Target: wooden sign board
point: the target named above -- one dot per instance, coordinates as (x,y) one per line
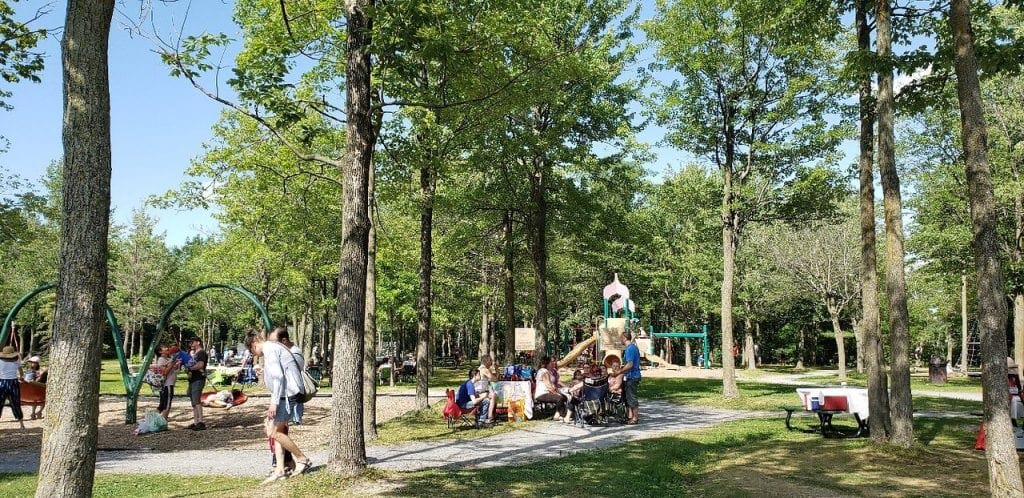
(526,339)
(644,345)
(610,333)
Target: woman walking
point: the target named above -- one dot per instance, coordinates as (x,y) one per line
(283,378)
(10,372)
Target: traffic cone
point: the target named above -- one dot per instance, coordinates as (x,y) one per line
(979,442)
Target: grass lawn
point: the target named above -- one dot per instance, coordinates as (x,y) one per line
(746,458)
(427,425)
(918,381)
(762,396)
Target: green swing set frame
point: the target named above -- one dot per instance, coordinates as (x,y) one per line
(133,382)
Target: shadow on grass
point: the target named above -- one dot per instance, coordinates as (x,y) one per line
(747,458)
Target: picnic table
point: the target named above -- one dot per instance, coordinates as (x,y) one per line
(826,402)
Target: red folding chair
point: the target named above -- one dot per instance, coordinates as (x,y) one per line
(453,413)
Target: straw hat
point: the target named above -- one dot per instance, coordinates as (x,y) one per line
(35,359)
(8,353)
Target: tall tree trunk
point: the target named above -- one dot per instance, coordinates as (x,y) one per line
(963,323)
(1003,464)
(67,461)
(538,246)
(801,347)
(729,246)
(423,305)
(837,329)
(748,336)
(348,452)
(510,288)
(1018,328)
(858,337)
(689,354)
(485,340)
(370,325)
(900,403)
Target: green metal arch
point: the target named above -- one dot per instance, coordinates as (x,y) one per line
(13,313)
(136,380)
(133,382)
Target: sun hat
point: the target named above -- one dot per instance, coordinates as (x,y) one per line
(8,353)
(35,359)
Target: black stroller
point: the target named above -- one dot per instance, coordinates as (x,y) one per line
(596,405)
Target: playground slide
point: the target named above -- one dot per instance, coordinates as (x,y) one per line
(653,358)
(576,351)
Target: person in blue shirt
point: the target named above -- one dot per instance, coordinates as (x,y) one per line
(631,369)
(467,398)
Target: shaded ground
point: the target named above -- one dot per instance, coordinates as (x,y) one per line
(535,442)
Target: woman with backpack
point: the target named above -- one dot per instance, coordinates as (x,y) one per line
(283,378)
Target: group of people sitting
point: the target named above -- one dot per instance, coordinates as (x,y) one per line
(620,379)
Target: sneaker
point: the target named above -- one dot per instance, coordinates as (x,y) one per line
(199,427)
(191,426)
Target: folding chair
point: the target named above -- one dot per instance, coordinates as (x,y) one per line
(453,413)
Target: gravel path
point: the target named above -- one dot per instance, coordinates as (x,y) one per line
(547,440)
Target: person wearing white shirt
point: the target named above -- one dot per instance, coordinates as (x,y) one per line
(282,376)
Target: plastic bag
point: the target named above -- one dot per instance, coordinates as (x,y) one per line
(152,422)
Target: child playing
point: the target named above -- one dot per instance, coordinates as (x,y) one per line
(34,373)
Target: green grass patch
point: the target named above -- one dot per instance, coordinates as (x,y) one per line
(752,457)
(140,485)
(428,425)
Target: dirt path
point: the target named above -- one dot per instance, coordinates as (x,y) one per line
(548,440)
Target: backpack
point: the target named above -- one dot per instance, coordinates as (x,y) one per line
(309,386)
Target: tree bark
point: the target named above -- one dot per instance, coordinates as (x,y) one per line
(370,324)
(484,346)
(858,336)
(510,289)
(748,336)
(1003,464)
(837,329)
(424,309)
(348,451)
(963,323)
(67,461)
(538,246)
(1018,328)
(729,246)
(801,347)
(900,403)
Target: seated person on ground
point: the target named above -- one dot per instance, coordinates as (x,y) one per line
(546,391)
(468,397)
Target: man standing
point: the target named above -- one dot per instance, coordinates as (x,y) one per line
(196,381)
(631,369)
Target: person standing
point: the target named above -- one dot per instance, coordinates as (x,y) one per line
(286,340)
(169,368)
(196,381)
(631,383)
(10,372)
(282,377)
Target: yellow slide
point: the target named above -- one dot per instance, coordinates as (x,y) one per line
(576,351)
(653,358)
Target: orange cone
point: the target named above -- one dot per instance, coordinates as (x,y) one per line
(979,442)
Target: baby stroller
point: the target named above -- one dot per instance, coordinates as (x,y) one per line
(589,407)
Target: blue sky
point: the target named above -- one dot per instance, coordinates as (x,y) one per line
(159,123)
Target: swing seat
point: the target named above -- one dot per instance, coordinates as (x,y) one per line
(238,397)
(32,393)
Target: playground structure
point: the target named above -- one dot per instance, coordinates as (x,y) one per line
(133,382)
(611,326)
